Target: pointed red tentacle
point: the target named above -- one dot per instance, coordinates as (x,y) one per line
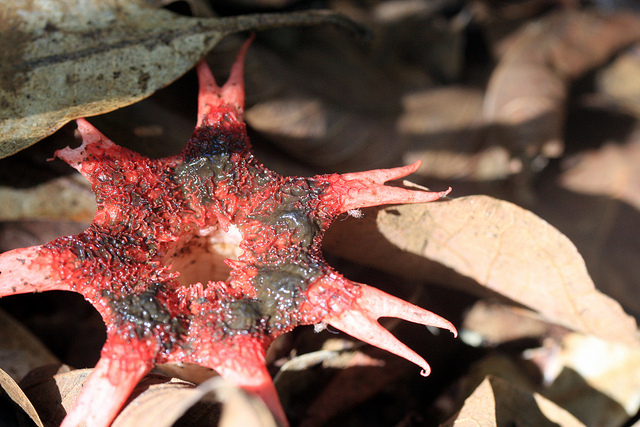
(215,101)
(92,140)
(360,326)
(380,176)
(376,304)
(110,384)
(95,151)
(30,269)
(357,313)
(364,189)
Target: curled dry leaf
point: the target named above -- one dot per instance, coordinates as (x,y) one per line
(496,402)
(164,402)
(11,396)
(21,351)
(161,401)
(239,408)
(190,372)
(157,401)
(506,249)
(62,60)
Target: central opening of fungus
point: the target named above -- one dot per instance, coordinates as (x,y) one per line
(199,256)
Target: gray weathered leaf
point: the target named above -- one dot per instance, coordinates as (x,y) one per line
(64,59)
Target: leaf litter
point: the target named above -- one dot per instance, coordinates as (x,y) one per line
(488,249)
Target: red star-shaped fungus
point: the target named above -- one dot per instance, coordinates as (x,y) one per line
(207,256)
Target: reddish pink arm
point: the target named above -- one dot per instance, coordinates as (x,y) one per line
(364,189)
(240,360)
(361,306)
(30,269)
(215,101)
(110,384)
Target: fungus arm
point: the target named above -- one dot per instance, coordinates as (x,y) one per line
(215,101)
(28,270)
(240,361)
(358,315)
(110,384)
(364,189)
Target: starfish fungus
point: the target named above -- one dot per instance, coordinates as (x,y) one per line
(207,256)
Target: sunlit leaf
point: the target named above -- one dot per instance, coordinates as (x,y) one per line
(505,248)
(496,402)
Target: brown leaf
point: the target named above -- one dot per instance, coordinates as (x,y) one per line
(444,127)
(352,378)
(73,201)
(322,109)
(527,91)
(496,402)
(160,401)
(612,170)
(90,57)
(20,351)
(240,409)
(506,249)
(195,374)
(596,380)
(12,394)
(490,323)
(157,401)
(53,396)
(621,79)
(325,135)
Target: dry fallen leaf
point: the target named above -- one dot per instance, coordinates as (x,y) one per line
(621,79)
(489,323)
(159,401)
(596,379)
(162,402)
(346,379)
(340,125)
(444,128)
(53,396)
(11,395)
(21,351)
(67,59)
(73,201)
(496,402)
(505,248)
(527,90)
(612,170)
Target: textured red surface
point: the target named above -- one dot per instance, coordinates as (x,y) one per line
(207,256)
